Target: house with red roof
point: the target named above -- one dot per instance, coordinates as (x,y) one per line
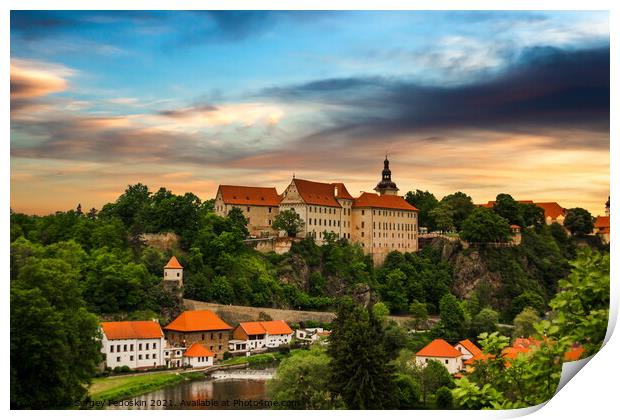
(199,326)
(197,355)
(467,349)
(554,213)
(441,351)
(135,344)
(260,206)
(173,276)
(602,228)
(263,334)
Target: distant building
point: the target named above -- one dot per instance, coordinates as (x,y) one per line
(441,351)
(136,344)
(173,276)
(553,211)
(263,334)
(201,326)
(311,335)
(197,355)
(467,349)
(380,223)
(602,228)
(259,206)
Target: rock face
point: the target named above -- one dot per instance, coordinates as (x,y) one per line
(162,241)
(296,272)
(470,269)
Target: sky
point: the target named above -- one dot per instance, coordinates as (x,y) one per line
(483,102)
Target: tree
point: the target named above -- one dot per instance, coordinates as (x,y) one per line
(452,318)
(381,310)
(359,372)
(483,226)
(443,217)
(304,377)
(393,291)
(524,323)
(579,221)
(54,339)
(443,398)
(425,202)
(288,221)
(419,314)
(239,221)
(581,308)
(461,206)
(485,321)
(506,207)
(434,375)
(408,392)
(532,215)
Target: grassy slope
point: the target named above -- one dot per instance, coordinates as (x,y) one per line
(123,387)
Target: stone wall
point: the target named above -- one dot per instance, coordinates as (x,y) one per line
(162,241)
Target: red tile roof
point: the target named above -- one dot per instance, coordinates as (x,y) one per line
(316,193)
(198,350)
(552,209)
(470,347)
(393,202)
(266,327)
(340,191)
(479,356)
(573,354)
(197,321)
(438,348)
(250,196)
(602,221)
(173,263)
(124,330)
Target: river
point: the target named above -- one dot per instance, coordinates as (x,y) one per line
(225,390)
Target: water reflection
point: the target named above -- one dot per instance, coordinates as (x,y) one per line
(209,394)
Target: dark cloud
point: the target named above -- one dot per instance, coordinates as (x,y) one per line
(545,88)
(188,112)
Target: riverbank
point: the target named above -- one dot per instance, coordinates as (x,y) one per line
(118,388)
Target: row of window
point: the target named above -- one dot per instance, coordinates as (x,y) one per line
(340,235)
(130,347)
(326,210)
(203,359)
(398,235)
(131,358)
(392,226)
(321,222)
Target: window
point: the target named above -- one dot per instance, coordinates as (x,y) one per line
(118,359)
(211,336)
(203,337)
(178,274)
(131,358)
(248,209)
(147,346)
(220,336)
(131,348)
(220,347)
(124,347)
(363,225)
(362,212)
(139,357)
(446,361)
(269,209)
(112,349)
(154,355)
(118,348)
(154,346)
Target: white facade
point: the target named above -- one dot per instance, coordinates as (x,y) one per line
(278,339)
(453,364)
(174,274)
(466,354)
(200,361)
(135,353)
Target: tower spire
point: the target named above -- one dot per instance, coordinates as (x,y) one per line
(386,186)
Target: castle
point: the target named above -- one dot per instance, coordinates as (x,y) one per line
(380,223)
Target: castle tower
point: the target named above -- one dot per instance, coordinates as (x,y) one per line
(173,273)
(386,186)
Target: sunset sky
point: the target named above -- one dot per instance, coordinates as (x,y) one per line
(479,102)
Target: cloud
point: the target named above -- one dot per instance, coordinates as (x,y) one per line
(547,88)
(32,80)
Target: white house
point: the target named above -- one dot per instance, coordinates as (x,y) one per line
(198,355)
(311,334)
(441,351)
(263,334)
(467,349)
(136,344)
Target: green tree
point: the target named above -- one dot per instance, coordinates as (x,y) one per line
(532,215)
(461,205)
(506,207)
(304,377)
(483,226)
(288,221)
(579,221)
(524,323)
(393,291)
(443,217)
(425,202)
(54,346)
(359,372)
(452,322)
(419,314)
(443,398)
(434,375)
(235,215)
(408,392)
(485,321)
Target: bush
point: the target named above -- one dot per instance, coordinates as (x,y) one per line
(443,398)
